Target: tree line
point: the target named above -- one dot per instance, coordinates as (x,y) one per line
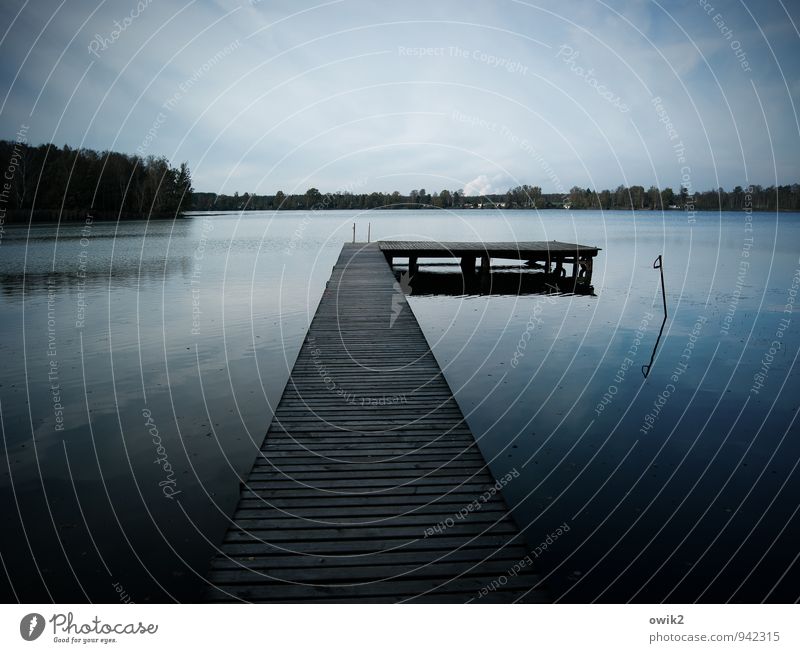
(50,183)
(756,198)
(47,182)
(753,197)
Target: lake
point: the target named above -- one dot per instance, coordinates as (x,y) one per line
(142,361)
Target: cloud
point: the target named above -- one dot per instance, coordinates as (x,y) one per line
(319,94)
(481,185)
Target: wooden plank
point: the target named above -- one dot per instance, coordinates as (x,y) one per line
(424,589)
(368,514)
(366,549)
(363,573)
(369,485)
(513,250)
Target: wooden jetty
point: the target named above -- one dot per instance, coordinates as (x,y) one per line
(369,486)
(549,256)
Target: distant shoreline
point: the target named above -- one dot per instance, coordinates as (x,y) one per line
(450,210)
(24,217)
(109,186)
(47,217)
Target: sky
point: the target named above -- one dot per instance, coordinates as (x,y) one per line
(260,96)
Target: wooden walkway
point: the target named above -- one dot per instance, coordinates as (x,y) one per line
(365,469)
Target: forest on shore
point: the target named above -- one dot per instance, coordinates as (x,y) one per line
(50,183)
(756,198)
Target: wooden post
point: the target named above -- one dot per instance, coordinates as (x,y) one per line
(412,266)
(369,227)
(485,273)
(354,232)
(468,266)
(486,264)
(586,272)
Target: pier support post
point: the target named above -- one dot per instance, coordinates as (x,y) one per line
(485,273)
(486,263)
(413,266)
(586,269)
(468,266)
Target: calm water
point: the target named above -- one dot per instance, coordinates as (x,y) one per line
(680,487)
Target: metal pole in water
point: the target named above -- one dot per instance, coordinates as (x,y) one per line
(658,264)
(369,226)
(354,233)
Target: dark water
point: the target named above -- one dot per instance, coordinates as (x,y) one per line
(115,340)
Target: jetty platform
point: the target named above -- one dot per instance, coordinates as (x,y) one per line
(552,257)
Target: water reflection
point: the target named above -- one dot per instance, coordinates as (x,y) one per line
(658,264)
(510,280)
(703,501)
(94,277)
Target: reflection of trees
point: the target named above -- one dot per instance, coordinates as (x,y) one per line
(124,273)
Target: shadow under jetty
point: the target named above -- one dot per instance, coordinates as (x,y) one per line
(501,281)
(540,267)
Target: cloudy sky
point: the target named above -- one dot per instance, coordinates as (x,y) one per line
(386,95)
